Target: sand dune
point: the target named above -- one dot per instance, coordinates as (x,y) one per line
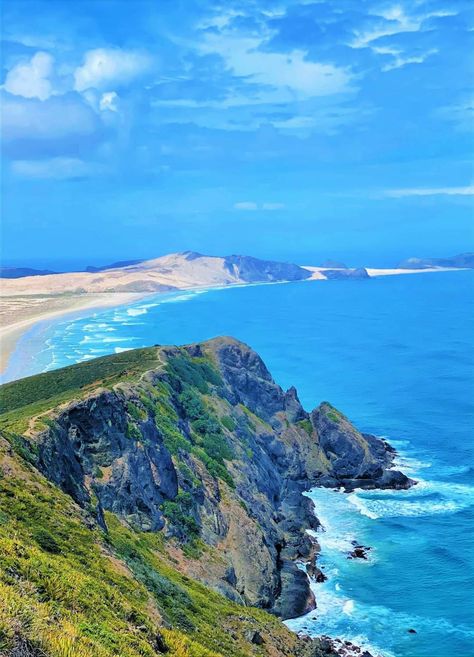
(31,299)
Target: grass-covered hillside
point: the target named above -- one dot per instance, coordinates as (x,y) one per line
(86,567)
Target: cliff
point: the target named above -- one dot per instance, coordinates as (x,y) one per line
(198,450)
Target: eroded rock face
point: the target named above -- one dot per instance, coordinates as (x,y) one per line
(139,450)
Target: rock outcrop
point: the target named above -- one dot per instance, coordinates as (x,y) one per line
(207,448)
(340,274)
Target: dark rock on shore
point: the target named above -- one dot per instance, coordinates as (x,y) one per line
(359,552)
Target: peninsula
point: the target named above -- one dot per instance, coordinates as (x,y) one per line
(151,503)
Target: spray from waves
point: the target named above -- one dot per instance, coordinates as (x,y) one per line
(340,616)
(137,311)
(425,499)
(345,518)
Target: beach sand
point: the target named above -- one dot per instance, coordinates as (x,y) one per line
(318,272)
(27,301)
(20,313)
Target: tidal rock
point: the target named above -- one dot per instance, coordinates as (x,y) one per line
(359,552)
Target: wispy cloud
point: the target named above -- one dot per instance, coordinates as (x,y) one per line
(431,191)
(252,206)
(103,67)
(290,73)
(395,20)
(248,206)
(399,59)
(59,168)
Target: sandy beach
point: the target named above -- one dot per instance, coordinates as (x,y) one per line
(318,272)
(33,299)
(20,313)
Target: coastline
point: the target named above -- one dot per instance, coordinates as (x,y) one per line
(10,334)
(56,307)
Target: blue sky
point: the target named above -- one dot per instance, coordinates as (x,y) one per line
(289,129)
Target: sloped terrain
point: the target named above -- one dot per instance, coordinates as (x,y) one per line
(151,502)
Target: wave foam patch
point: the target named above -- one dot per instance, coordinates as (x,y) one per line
(426,498)
(133,312)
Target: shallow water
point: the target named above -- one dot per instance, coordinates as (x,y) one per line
(395,354)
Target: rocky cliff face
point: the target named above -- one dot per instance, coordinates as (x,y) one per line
(209,450)
(252,270)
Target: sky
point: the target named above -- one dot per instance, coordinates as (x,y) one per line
(290,129)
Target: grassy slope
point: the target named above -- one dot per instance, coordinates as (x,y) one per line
(68,589)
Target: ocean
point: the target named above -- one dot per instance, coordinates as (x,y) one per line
(395,355)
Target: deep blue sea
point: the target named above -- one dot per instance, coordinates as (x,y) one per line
(395,354)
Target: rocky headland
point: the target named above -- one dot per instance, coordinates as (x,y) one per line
(199,446)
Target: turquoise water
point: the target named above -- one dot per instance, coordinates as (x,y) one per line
(395,354)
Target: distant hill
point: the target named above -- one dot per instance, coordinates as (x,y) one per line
(174,271)
(340,274)
(20,272)
(465,260)
(115,265)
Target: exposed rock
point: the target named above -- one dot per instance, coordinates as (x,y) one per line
(357,460)
(118,450)
(254,270)
(359,552)
(340,274)
(255,637)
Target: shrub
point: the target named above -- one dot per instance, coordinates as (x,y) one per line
(135,412)
(178,514)
(228,422)
(307,426)
(133,432)
(46,541)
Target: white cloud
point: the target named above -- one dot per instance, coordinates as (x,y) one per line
(60,168)
(251,206)
(58,117)
(108,101)
(399,59)
(286,76)
(104,66)
(31,79)
(395,21)
(246,205)
(434,191)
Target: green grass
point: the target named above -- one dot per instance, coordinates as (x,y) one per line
(69,590)
(23,399)
(306,426)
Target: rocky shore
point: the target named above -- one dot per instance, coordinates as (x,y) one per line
(160,471)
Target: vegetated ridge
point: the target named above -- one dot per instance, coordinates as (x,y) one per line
(151,502)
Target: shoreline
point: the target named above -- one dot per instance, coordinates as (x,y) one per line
(11,334)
